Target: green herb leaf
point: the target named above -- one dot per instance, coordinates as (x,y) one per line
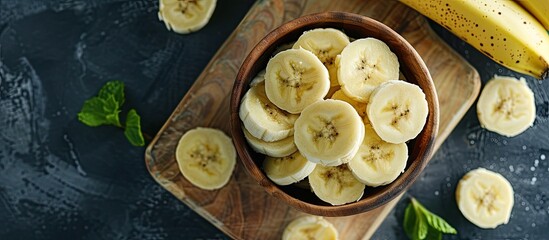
(410,222)
(115,89)
(97,111)
(133,129)
(433,234)
(423,227)
(433,220)
(419,223)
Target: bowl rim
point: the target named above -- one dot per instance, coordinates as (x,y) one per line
(405,179)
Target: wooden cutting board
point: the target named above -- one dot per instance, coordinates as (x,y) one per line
(242,209)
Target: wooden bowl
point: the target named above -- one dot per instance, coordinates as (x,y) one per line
(355,26)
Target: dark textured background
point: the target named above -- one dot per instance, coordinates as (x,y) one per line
(62,180)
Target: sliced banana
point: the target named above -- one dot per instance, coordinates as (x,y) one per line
(378,162)
(359,107)
(258,79)
(185,16)
(206,157)
(329,132)
(397,111)
(279,148)
(263,119)
(364,65)
(295,79)
(335,185)
(326,44)
(506,106)
(289,169)
(485,198)
(310,228)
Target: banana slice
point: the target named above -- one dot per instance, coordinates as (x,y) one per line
(398,111)
(289,169)
(263,119)
(364,65)
(378,162)
(295,79)
(359,107)
(310,228)
(185,16)
(485,198)
(335,185)
(206,157)
(506,106)
(258,79)
(279,148)
(329,132)
(326,44)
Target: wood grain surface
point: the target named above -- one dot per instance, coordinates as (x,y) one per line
(242,209)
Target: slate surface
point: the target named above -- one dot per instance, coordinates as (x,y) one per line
(62,180)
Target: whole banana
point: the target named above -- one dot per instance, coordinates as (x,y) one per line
(539,9)
(500,29)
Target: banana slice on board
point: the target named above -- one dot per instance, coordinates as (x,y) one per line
(185,16)
(206,157)
(279,148)
(378,162)
(506,106)
(365,64)
(326,44)
(310,228)
(398,111)
(329,132)
(336,185)
(295,79)
(289,169)
(485,198)
(359,107)
(262,118)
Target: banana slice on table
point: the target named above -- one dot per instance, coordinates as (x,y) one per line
(364,65)
(326,44)
(359,107)
(378,162)
(289,169)
(279,148)
(185,16)
(485,198)
(336,185)
(295,79)
(262,118)
(206,157)
(506,106)
(397,111)
(310,228)
(329,132)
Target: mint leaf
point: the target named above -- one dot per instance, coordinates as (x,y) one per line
(433,220)
(433,234)
(436,222)
(419,223)
(410,222)
(97,111)
(133,129)
(115,89)
(423,227)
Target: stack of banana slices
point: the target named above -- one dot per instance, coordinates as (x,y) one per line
(332,110)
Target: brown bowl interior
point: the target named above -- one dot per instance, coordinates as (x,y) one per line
(355,26)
